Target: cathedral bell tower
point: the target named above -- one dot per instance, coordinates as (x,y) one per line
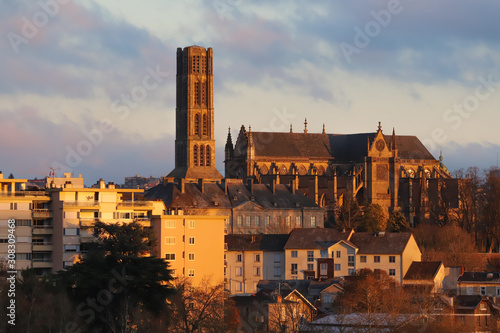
(194,137)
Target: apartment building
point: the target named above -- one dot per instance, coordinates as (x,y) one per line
(251,258)
(28,213)
(192,245)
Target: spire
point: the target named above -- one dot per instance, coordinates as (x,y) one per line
(249,128)
(305,126)
(229,141)
(394,145)
(380,126)
(324,132)
(291,130)
(229,149)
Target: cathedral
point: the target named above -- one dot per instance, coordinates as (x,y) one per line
(314,171)
(395,171)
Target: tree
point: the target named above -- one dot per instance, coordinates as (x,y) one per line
(373,296)
(397,222)
(349,214)
(115,287)
(450,244)
(374,218)
(202,308)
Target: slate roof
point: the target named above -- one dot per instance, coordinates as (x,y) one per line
(426,270)
(259,242)
(489,277)
(467,301)
(315,238)
(386,243)
(340,147)
(215,197)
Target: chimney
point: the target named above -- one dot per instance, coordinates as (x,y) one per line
(279,298)
(253,239)
(101,183)
(224,184)
(68,184)
(111,185)
(273,186)
(292,186)
(250,185)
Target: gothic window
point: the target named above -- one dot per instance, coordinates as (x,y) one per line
(264,169)
(205,125)
(202,155)
(196,124)
(208,156)
(197,93)
(321,170)
(302,170)
(204,93)
(195,155)
(283,170)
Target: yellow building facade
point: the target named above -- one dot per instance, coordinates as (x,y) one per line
(192,245)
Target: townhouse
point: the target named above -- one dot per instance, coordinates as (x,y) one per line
(251,258)
(391,252)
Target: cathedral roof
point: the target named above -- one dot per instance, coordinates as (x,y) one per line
(340,147)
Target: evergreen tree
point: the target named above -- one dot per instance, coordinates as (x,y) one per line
(397,222)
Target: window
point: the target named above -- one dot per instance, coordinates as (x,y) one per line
(362,259)
(239,286)
(238,271)
(239,220)
(173,272)
(191,272)
(196,123)
(337,267)
(71,248)
(256,271)
(257,258)
(191,224)
(209,157)
(71,231)
(498,291)
(310,255)
(323,269)
(294,269)
(191,256)
(191,240)
(392,272)
(338,254)
(376,258)
(13,206)
(238,258)
(482,291)
(310,267)
(170,224)
(392,258)
(23,223)
(170,256)
(202,155)
(327,298)
(351,271)
(313,221)
(169,240)
(277,271)
(297,221)
(294,254)
(350,261)
(277,257)
(257,220)
(323,253)
(195,155)
(205,125)
(268,221)
(248,221)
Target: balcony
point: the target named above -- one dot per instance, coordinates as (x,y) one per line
(42,230)
(87,239)
(88,222)
(42,263)
(24,194)
(144,221)
(81,204)
(45,247)
(129,203)
(40,214)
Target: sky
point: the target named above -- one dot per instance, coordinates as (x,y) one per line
(89,86)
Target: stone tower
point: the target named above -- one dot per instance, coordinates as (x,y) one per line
(194,139)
